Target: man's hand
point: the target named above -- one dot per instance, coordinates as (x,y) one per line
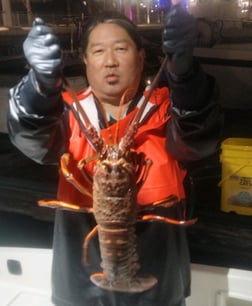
(179,38)
(43,53)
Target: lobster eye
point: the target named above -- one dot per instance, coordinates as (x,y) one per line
(109,168)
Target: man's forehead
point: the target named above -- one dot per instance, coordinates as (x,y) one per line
(109,33)
(97,38)
(96,42)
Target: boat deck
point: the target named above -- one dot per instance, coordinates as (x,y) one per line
(25,280)
(25,277)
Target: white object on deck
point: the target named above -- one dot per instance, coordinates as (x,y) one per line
(25,276)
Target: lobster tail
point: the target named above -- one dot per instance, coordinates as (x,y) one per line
(120,262)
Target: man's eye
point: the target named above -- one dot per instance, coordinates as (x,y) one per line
(121,49)
(97,51)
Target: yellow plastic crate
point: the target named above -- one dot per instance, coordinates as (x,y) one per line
(236,182)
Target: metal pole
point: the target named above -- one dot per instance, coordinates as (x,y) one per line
(29,11)
(6,13)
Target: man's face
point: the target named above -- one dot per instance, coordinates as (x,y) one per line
(113,63)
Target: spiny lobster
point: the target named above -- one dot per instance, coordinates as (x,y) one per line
(118,175)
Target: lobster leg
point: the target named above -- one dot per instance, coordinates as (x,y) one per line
(168,220)
(64,205)
(143,175)
(86,244)
(147,212)
(81,164)
(70,178)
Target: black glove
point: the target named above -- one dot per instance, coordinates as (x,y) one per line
(43,53)
(179,38)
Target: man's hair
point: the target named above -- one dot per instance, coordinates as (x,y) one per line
(112,17)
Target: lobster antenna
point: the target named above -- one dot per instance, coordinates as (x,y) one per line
(79,109)
(87,128)
(128,137)
(123,98)
(152,87)
(104,116)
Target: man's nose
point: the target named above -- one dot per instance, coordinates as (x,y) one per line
(111,59)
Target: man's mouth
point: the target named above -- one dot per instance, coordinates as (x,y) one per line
(112,78)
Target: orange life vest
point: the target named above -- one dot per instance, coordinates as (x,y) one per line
(165,177)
